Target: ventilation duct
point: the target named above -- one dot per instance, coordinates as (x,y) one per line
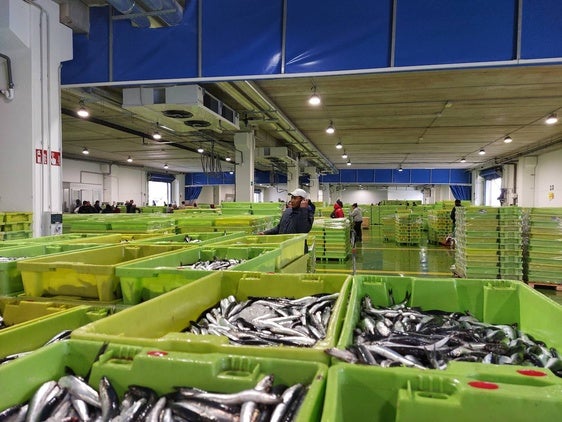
(169,12)
(275,155)
(181,108)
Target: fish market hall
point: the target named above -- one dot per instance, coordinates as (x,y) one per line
(233,211)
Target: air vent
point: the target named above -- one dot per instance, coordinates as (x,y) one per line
(178,114)
(197,123)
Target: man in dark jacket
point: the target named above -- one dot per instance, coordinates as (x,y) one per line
(297,218)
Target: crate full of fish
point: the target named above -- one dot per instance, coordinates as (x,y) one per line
(93,381)
(291,245)
(293,316)
(143,280)
(89,273)
(192,239)
(10,275)
(456,326)
(357,393)
(26,325)
(115,238)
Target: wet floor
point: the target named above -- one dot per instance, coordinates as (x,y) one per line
(375,256)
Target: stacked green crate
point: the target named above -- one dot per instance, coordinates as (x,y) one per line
(236,208)
(267,208)
(511,242)
(332,238)
(439,225)
(15,225)
(407,228)
(545,245)
(477,242)
(375,215)
(187,223)
(388,226)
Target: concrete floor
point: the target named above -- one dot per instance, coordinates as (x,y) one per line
(374,256)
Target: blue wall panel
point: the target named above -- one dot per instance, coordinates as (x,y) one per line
(199,179)
(421,176)
(366,176)
(158,53)
(401,176)
(440,175)
(348,176)
(91,52)
(383,176)
(327,35)
(261,176)
(329,178)
(460,176)
(542,29)
(229,179)
(247,42)
(445,31)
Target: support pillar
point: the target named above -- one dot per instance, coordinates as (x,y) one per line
(293,177)
(526,181)
(30,141)
(245,144)
(314,183)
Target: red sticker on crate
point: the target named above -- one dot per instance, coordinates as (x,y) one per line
(156,353)
(531,373)
(484,385)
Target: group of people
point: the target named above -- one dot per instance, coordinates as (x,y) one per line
(356,216)
(86,207)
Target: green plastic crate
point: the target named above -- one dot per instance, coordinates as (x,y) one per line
(204,238)
(89,273)
(359,393)
(10,275)
(17,217)
(151,277)
(172,312)
(159,370)
(32,324)
(62,238)
(291,245)
(491,301)
(116,238)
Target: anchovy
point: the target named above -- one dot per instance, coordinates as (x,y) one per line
(108,399)
(288,396)
(192,410)
(236,398)
(80,389)
(39,400)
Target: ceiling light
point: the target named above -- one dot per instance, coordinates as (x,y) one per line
(400,168)
(482,152)
(463,160)
(314,98)
(85,151)
(339,145)
(552,119)
(228,159)
(82,112)
(156,135)
(129,159)
(344,155)
(200,150)
(231,172)
(166,166)
(330,129)
(348,163)
(507,140)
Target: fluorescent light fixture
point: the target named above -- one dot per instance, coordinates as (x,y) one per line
(463,160)
(552,119)
(85,151)
(339,145)
(200,150)
(166,166)
(330,129)
(129,159)
(482,152)
(507,140)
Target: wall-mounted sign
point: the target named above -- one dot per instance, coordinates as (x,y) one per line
(41,157)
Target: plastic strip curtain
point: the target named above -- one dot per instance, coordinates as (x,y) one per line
(192,192)
(464,193)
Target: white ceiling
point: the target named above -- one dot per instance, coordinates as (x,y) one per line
(423,119)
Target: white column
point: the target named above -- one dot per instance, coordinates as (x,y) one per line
(245,144)
(314,183)
(478,185)
(293,176)
(526,181)
(31,140)
(508,183)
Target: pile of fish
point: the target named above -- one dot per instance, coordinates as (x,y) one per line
(216,265)
(268,321)
(72,399)
(63,335)
(399,335)
(4,259)
(188,239)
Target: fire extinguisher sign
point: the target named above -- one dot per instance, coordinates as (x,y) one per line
(42,157)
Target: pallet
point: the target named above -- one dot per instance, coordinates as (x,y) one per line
(542,285)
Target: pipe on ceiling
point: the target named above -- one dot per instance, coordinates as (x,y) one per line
(8,92)
(130,7)
(171,10)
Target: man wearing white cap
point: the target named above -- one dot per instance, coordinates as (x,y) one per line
(297,218)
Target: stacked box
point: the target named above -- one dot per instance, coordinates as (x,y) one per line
(511,243)
(407,228)
(332,238)
(440,225)
(236,208)
(15,225)
(477,242)
(545,246)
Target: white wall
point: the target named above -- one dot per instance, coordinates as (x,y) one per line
(548,180)
(404,193)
